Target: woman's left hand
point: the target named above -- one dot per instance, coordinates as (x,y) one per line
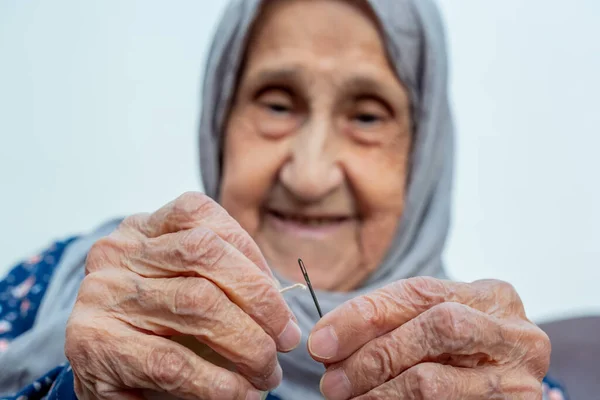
(424,338)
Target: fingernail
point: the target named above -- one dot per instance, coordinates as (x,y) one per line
(275,379)
(335,385)
(323,343)
(290,338)
(253,395)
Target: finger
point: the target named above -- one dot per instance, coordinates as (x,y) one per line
(109,392)
(197,307)
(123,358)
(201,252)
(192,210)
(356,322)
(449,333)
(430,381)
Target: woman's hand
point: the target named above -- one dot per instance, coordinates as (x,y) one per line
(188,269)
(424,338)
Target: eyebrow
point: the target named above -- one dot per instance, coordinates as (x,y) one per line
(279,75)
(361,84)
(356,85)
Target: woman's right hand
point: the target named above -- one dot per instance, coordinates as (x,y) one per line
(187,269)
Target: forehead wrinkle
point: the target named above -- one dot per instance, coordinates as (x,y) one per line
(359,78)
(278,67)
(285,16)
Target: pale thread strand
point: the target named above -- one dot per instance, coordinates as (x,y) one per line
(294,286)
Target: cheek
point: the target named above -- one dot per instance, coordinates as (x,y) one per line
(378,176)
(250,166)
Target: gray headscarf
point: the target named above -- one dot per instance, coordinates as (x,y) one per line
(415,41)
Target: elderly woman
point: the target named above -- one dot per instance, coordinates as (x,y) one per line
(326,135)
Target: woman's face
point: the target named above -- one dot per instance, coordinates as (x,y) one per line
(317,142)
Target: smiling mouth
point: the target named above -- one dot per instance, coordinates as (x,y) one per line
(314,222)
(312,227)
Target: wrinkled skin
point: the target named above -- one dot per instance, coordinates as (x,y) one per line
(325,132)
(424,338)
(187,269)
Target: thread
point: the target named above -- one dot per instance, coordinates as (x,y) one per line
(294,286)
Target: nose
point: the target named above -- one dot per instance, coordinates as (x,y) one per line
(312,170)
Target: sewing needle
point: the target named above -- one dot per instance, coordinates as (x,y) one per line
(312,292)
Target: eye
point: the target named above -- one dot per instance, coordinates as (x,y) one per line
(367,119)
(277,108)
(369,113)
(277,111)
(277,102)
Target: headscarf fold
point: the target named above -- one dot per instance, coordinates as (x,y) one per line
(415,42)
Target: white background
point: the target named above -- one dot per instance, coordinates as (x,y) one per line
(98,115)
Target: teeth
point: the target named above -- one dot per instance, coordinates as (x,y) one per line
(311,221)
(308,221)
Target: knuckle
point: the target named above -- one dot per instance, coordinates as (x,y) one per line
(423,291)
(223,387)
(507,294)
(134,222)
(240,240)
(194,297)
(105,289)
(201,246)
(381,363)
(237,237)
(371,311)
(450,326)
(540,350)
(504,288)
(109,251)
(80,335)
(423,283)
(454,328)
(72,339)
(194,204)
(98,288)
(493,385)
(89,288)
(168,368)
(424,381)
(101,254)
